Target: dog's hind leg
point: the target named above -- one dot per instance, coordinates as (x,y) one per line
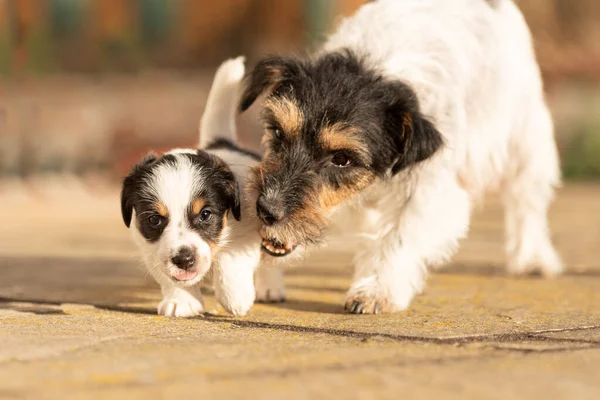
(529,184)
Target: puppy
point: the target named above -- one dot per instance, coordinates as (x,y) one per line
(178,206)
(409,113)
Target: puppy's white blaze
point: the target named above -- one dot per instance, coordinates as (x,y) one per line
(175,185)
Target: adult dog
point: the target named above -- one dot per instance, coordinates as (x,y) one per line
(410,112)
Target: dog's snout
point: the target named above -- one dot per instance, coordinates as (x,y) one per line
(185,258)
(269,211)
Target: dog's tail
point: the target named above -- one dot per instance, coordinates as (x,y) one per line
(218,120)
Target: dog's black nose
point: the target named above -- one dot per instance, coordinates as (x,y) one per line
(269,212)
(185,258)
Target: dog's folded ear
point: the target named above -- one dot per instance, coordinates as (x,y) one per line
(235,205)
(130,187)
(232,194)
(415,137)
(270,73)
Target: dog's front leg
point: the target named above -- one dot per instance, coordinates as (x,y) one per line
(233,281)
(180,301)
(391,265)
(387,277)
(270,287)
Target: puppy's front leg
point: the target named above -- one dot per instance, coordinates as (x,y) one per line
(179,301)
(233,281)
(391,267)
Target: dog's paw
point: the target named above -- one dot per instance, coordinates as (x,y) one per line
(363,304)
(180,304)
(267,295)
(545,261)
(237,302)
(366,296)
(269,284)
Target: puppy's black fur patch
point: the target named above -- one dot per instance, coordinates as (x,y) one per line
(226,144)
(220,191)
(132,184)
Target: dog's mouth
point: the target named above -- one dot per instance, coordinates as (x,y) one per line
(275,248)
(184,275)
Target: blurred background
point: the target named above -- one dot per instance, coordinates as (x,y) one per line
(88,86)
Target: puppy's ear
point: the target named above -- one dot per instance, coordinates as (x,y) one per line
(131,186)
(270,73)
(416,138)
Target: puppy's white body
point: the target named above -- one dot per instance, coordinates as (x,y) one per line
(234,266)
(474,71)
(175,184)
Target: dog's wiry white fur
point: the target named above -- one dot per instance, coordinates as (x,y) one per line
(175,184)
(474,71)
(270,286)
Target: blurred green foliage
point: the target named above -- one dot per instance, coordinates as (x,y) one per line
(581,160)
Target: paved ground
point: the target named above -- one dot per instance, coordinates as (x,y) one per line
(77,320)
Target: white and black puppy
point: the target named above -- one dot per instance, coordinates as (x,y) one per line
(410,113)
(178,206)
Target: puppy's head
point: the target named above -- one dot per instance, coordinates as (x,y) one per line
(332,128)
(179,204)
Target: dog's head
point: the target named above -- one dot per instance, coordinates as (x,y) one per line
(333,127)
(179,205)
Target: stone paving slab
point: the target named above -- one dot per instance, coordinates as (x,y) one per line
(77,320)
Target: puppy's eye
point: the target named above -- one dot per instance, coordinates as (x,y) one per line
(205,215)
(341,159)
(155,221)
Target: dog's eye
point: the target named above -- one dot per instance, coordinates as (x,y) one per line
(341,159)
(277,132)
(155,221)
(205,215)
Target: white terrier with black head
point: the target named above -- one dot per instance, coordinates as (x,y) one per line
(410,112)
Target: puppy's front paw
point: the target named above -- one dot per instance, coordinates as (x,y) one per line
(180,304)
(366,296)
(237,302)
(270,287)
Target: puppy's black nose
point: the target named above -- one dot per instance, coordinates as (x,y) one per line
(269,212)
(185,258)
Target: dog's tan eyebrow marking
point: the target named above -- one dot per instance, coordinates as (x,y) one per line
(286,113)
(197,206)
(340,137)
(161,209)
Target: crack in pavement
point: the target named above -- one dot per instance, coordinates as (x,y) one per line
(498,337)
(534,336)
